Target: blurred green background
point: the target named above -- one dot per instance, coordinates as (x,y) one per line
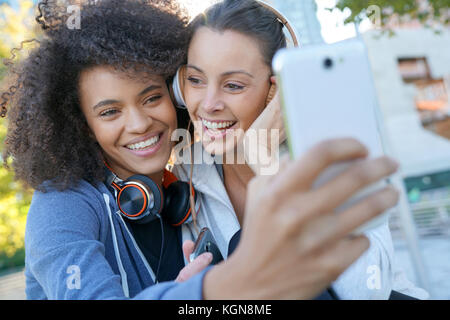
(16,25)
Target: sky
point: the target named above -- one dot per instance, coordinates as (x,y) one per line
(333,28)
(332,23)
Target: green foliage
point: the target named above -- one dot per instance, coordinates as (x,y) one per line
(12,262)
(14,198)
(435,11)
(14,203)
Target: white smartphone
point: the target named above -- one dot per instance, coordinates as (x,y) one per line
(327,92)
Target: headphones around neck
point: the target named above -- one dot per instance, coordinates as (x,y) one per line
(178,83)
(141,200)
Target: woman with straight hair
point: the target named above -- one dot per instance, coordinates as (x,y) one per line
(228,87)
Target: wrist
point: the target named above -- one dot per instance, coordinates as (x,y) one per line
(225,281)
(213,284)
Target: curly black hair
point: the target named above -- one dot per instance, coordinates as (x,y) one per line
(48,138)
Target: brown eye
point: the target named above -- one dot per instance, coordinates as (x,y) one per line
(234,87)
(108,113)
(194,81)
(152,99)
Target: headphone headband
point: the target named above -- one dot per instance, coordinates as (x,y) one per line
(111,178)
(283,20)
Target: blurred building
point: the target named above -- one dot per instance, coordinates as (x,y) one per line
(412,78)
(303,15)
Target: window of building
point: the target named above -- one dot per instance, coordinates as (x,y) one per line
(414,69)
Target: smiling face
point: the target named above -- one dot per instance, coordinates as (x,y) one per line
(226,86)
(132,120)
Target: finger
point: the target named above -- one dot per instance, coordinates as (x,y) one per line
(194,267)
(301,175)
(365,210)
(188,248)
(342,254)
(352,180)
(326,229)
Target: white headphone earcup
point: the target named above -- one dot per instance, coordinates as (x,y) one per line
(177,88)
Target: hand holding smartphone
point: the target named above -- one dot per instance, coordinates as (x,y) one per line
(327,92)
(206,243)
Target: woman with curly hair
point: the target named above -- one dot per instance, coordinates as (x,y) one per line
(85,98)
(91,108)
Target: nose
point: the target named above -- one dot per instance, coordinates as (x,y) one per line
(212,101)
(137,121)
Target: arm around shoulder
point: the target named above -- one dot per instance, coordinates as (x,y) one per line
(63,250)
(65,254)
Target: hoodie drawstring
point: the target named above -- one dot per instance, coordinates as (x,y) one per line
(123,274)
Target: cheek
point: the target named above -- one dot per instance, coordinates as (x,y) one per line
(167,115)
(193,98)
(171,118)
(250,107)
(106,135)
(164,113)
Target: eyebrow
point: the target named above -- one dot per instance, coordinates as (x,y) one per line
(223,74)
(111,101)
(105,103)
(148,89)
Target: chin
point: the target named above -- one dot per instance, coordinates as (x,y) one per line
(150,166)
(219,149)
(150,171)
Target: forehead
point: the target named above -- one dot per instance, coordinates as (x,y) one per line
(102,80)
(228,49)
(110,74)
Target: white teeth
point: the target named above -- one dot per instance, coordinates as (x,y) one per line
(217,125)
(144,144)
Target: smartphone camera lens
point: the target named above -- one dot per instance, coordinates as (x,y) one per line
(328,63)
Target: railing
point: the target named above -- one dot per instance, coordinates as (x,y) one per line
(431,217)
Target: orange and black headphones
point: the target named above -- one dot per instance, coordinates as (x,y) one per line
(141,200)
(179,79)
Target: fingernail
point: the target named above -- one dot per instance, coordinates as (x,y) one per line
(207,256)
(391,162)
(395,164)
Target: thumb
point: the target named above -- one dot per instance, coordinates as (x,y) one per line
(188,248)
